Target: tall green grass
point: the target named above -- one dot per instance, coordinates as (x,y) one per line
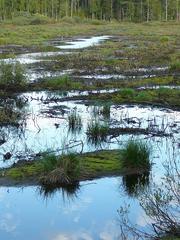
(136,154)
(74,121)
(62,82)
(60,170)
(97,132)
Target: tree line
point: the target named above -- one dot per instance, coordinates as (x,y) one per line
(122,10)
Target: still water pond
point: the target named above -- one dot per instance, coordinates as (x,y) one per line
(89,213)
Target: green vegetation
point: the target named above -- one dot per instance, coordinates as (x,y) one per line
(73,167)
(175,66)
(130,10)
(106,110)
(74,121)
(127,93)
(136,154)
(62,170)
(67,169)
(164,96)
(59,83)
(50,170)
(97,132)
(12,76)
(8,116)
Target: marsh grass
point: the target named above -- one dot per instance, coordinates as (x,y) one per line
(60,169)
(106,110)
(97,132)
(175,66)
(49,163)
(62,82)
(127,93)
(136,155)
(74,121)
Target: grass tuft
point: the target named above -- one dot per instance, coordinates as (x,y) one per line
(136,154)
(97,132)
(60,170)
(74,121)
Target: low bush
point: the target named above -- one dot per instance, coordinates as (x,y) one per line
(12,76)
(164,93)
(143,96)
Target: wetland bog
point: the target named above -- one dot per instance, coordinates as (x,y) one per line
(87,92)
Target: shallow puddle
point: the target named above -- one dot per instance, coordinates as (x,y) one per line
(30,58)
(84,42)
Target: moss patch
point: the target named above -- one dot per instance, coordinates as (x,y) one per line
(92,165)
(164,96)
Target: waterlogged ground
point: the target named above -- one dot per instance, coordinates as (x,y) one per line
(44,126)
(88,211)
(88,59)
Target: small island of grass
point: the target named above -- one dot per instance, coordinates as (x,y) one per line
(72,168)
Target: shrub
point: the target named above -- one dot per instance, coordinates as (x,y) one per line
(23,18)
(8,116)
(40,19)
(136,154)
(164,92)
(12,75)
(164,39)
